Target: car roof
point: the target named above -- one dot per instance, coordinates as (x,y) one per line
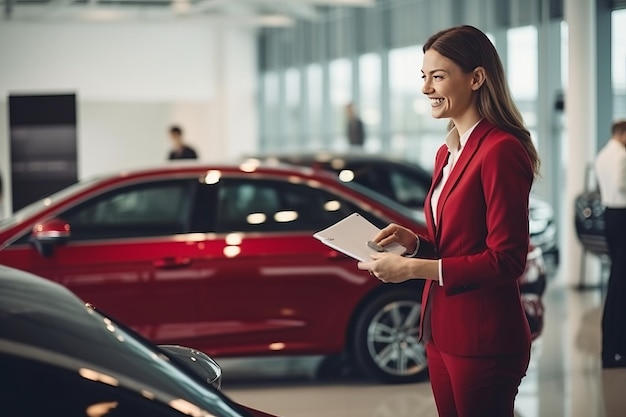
(335,159)
(166,171)
(198,167)
(324,156)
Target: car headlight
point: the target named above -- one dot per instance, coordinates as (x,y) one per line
(537,226)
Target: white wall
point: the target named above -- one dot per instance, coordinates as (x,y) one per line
(133,80)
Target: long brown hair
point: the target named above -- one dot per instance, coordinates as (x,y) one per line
(468,47)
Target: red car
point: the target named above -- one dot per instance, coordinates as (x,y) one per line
(222,258)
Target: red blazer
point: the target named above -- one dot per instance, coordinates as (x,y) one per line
(482,239)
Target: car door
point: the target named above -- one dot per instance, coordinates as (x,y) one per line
(130,255)
(272,286)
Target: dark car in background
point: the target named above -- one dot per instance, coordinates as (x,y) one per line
(405,182)
(62,357)
(222,258)
(589,222)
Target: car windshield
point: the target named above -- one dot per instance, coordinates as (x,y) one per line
(36,206)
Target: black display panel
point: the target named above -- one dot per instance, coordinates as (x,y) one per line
(43,143)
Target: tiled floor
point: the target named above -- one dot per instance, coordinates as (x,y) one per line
(564,378)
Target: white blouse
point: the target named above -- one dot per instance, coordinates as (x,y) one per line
(455,145)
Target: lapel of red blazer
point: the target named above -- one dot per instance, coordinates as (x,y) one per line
(473,142)
(441,160)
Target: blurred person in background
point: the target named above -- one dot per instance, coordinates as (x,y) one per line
(180,150)
(472,322)
(610,166)
(355,129)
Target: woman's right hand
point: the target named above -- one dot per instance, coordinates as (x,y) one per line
(396,233)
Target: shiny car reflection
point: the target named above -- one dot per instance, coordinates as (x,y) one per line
(589,222)
(62,357)
(222,258)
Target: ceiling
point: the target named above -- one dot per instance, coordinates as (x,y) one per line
(262,13)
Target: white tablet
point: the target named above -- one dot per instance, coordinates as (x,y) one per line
(351,235)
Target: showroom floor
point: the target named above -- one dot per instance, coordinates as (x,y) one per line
(564,378)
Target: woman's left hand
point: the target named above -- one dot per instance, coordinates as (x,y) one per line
(388,267)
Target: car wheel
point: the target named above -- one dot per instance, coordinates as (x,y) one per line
(385,339)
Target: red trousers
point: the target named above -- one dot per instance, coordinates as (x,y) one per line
(483,386)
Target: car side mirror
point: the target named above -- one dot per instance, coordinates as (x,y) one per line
(197,362)
(49,233)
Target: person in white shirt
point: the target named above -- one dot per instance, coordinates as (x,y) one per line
(610,166)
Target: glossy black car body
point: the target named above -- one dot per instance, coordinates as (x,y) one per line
(62,357)
(406,183)
(589,222)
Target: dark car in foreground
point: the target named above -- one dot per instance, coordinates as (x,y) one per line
(62,357)
(406,183)
(223,258)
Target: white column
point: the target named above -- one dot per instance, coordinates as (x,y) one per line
(581,128)
(234,131)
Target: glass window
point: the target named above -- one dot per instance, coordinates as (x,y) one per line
(405,184)
(150,209)
(409,188)
(266,205)
(340,94)
(522,64)
(564,80)
(271,110)
(414,132)
(522,72)
(564,55)
(293,106)
(314,88)
(405,85)
(618,58)
(370,76)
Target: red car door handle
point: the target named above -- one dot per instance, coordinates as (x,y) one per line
(172,262)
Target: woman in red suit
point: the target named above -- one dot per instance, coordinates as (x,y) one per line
(473,324)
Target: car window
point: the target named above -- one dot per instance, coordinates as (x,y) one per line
(409,189)
(148,209)
(268,205)
(403,185)
(375,178)
(36,206)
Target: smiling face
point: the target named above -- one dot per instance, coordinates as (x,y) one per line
(450,90)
